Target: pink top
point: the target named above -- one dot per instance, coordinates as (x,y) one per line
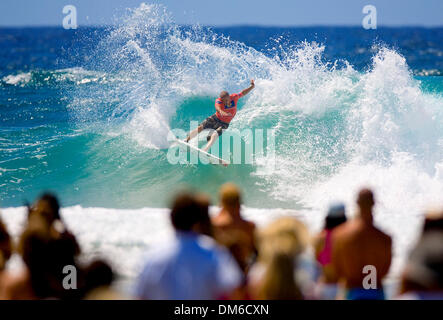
(324,257)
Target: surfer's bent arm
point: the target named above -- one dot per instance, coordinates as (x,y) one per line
(247,90)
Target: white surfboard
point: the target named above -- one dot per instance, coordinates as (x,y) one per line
(211,158)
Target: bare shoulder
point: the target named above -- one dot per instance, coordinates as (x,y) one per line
(250,224)
(382,235)
(347,233)
(17,286)
(344,229)
(220,220)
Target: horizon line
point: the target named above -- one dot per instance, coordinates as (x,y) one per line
(234,26)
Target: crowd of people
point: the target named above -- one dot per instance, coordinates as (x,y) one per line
(225,256)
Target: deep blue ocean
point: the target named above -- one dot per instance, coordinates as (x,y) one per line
(86,112)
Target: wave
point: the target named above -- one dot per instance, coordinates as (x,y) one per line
(69,76)
(346,120)
(336,128)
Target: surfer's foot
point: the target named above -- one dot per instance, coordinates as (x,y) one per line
(187,140)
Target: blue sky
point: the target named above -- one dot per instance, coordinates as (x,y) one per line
(230,12)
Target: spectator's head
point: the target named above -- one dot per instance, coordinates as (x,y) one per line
(230,198)
(48,207)
(99,277)
(365,201)
(424,270)
(286,234)
(336,216)
(5,246)
(433,221)
(98,274)
(189,213)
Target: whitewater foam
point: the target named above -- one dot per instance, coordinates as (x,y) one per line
(19,79)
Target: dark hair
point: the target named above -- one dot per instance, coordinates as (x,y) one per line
(365,197)
(5,245)
(52,200)
(332,222)
(47,206)
(425,265)
(98,273)
(204,202)
(336,216)
(187,211)
(433,223)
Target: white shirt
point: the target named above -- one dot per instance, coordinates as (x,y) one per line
(191,266)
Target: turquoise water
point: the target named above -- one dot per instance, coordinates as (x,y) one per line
(93,126)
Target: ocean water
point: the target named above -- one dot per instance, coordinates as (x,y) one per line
(86,113)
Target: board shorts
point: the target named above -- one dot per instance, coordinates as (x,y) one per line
(365,294)
(214,123)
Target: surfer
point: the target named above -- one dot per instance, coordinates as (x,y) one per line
(226,108)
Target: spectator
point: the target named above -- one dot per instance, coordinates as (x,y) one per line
(358,243)
(192,265)
(422,278)
(48,208)
(275,274)
(99,277)
(231,230)
(327,283)
(46,248)
(5,254)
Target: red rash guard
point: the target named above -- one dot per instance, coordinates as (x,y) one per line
(232,109)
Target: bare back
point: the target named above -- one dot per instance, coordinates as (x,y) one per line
(357,244)
(237,234)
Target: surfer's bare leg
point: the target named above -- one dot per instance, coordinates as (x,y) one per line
(211,141)
(193,133)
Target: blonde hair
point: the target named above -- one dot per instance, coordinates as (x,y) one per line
(287,234)
(279,245)
(279,281)
(230,195)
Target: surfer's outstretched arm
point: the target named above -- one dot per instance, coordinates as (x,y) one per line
(247,90)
